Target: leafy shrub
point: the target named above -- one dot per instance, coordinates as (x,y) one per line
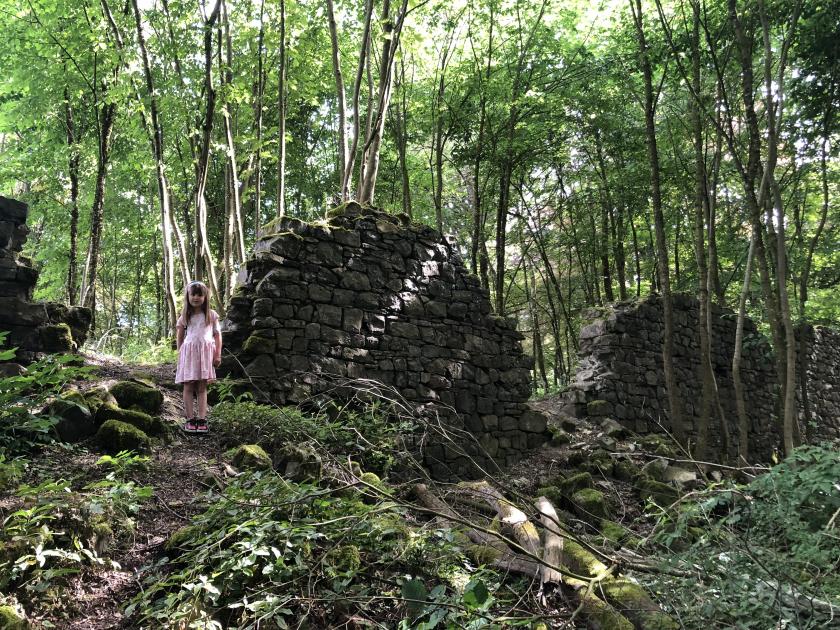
(56,531)
(368,435)
(22,397)
(765,553)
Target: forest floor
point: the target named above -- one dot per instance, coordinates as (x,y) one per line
(176,472)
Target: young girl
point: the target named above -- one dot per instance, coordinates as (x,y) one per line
(199,352)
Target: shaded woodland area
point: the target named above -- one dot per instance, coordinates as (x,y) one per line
(574,155)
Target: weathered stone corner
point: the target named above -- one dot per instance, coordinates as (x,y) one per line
(34,327)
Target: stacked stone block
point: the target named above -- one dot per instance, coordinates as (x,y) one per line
(620,373)
(367,295)
(819,407)
(33,327)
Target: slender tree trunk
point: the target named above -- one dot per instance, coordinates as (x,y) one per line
(478,215)
(675,412)
(401,141)
(364,63)
(204,254)
(73,172)
(281,105)
(341,103)
(166,219)
(392,33)
(740,403)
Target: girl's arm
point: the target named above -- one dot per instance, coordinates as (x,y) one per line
(179,335)
(217,337)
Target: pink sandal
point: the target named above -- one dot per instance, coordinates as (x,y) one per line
(201,425)
(189,425)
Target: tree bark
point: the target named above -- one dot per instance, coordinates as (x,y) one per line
(73,172)
(281,106)
(341,103)
(675,411)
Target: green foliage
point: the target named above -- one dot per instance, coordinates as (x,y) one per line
(54,531)
(368,435)
(268,552)
(760,552)
(124,462)
(23,424)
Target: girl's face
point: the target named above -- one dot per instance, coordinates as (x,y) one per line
(196,300)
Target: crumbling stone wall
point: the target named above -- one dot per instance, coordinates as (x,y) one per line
(819,408)
(33,327)
(367,295)
(620,373)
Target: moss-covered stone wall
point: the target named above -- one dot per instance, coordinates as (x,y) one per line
(366,295)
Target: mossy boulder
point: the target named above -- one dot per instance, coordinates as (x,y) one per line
(98,396)
(75,420)
(11,619)
(660,493)
(599,614)
(625,470)
(56,338)
(180,539)
(115,436)
(483,554)
(558,436)
(590,505)
(658,445)
(632,601)
(552,493)
(598,463)
(250,456)
(655,469)
(574,483)
(297,462)
(143,421)
(141,395)
(616,533)
(611,428)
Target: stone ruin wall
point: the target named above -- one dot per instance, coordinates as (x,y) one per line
(819,407)
(33,327)
(620,373)
(366,295)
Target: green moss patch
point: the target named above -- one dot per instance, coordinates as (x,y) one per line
(250,456)
(137,394)
(115,436)
(11,619)
(660,493)
(143,421)
(590,505)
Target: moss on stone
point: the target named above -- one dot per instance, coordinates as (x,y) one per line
(255,344)
(596,408)
(599,614)
(98,396)
(180,539)
(139,419)
(660,493)
(56,338)
(552,493)
(570,485)
(75,420)
(250,456)
(618,534)
(631,600)
(137,394)
(580,560)
(590,505)
(297,462)
(115,436)
(10,619)
(558,436)
(655,469)
(483,554)
(625,470)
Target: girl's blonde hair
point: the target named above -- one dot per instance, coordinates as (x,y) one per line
(196,288)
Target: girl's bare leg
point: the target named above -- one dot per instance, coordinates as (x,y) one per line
(201,394)
(189,391)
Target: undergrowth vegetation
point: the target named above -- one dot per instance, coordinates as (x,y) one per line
(370,434)
(765,554)
(268,552)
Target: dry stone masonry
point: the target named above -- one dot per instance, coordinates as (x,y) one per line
(33,327)
(819,403)
(620,373)
(367,295)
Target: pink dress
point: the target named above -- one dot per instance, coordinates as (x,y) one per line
(195,359)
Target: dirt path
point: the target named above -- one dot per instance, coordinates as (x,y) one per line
(178,473)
